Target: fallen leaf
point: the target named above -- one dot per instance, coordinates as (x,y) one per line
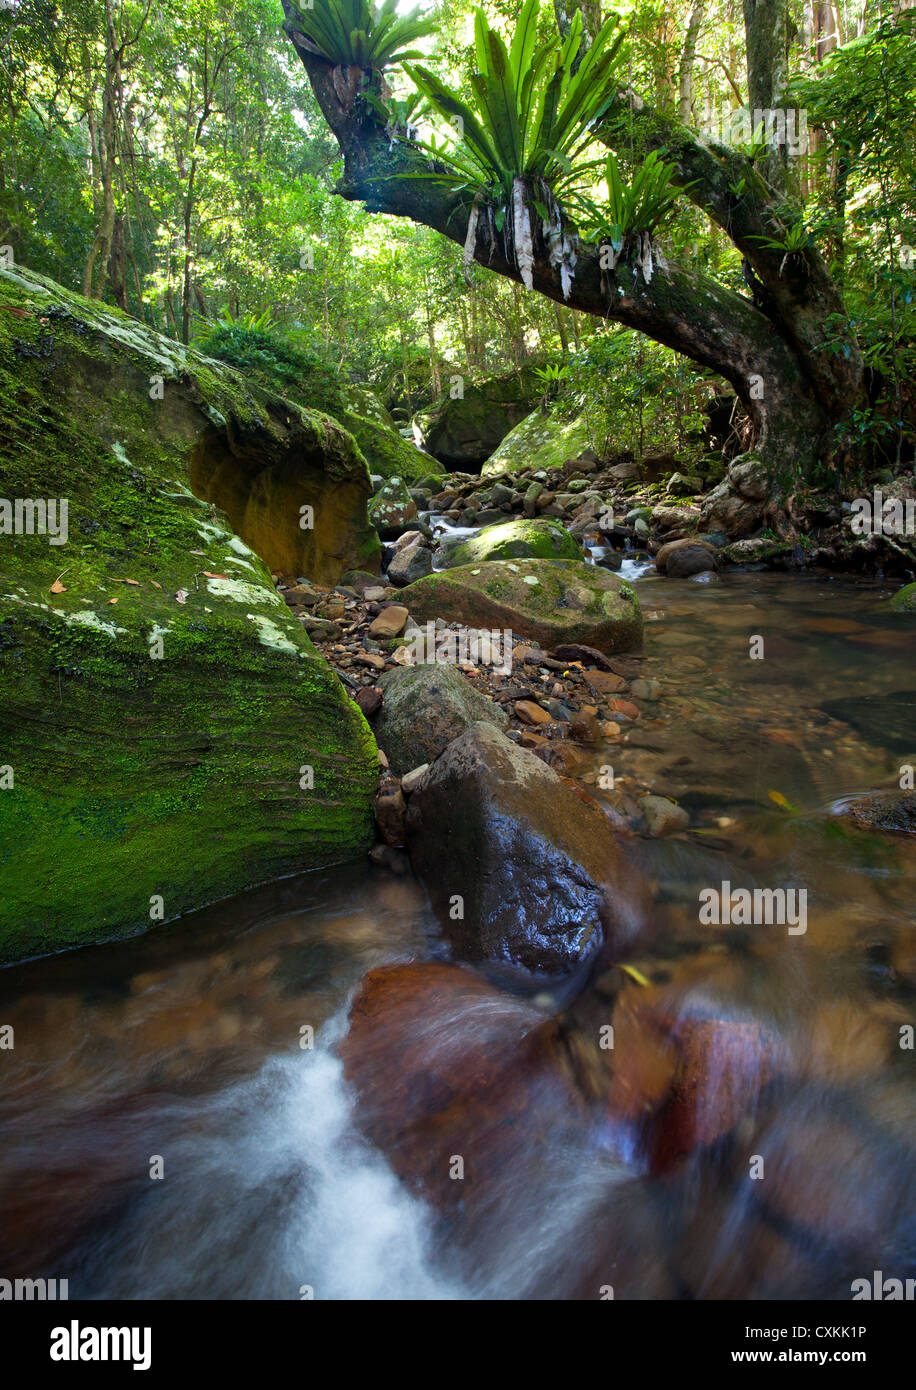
(197,552)
(112,600)
(182,596)
(58,588)
(636,975)
(781,801)
(135,582)
(155,585)
(207,575)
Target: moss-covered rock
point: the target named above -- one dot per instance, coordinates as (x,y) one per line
(386,451)
(514,540)
(392,508)
(552,601)
(463,433)
(538,441)
(904,601)
(159,703)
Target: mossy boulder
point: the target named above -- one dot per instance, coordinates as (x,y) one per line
(385,450)
(463,433)
(904,600)
(514,540)
(159,703)
(538,441)
(552,601)
(392,508)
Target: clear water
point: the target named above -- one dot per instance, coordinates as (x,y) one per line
(182,1047)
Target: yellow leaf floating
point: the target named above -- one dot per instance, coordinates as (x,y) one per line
(781,801)
(636,975)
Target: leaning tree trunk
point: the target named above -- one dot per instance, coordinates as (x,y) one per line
(770,348)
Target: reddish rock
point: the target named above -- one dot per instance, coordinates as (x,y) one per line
(624,707)
(723,1063)
(447,1066)
(369,700)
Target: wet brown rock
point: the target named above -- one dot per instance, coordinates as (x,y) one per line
(390,810)
(531,713)
(605,682)
(390,622)
(680,559)
(518,866)
(479,1076)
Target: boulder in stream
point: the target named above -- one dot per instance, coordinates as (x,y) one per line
(550,601)
(170,735)
(520,867)
(515,540)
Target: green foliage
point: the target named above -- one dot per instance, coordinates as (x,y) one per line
(535,107)
(353,33)
(274,361)
(635,396)
(636,206)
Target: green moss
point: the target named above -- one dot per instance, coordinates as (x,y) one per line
(904,600)
(553,601)
(518,539)
(140,770)
(539,441)
(386,451)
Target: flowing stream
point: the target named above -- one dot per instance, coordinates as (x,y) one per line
(164,1132)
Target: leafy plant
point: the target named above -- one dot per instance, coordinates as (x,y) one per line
(271,360)
(794,243)
(248,323)
(633,211)
(353,33)
(533,118)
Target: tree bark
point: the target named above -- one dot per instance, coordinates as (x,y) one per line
(770,351)
(688,58)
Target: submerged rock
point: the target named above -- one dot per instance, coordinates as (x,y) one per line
(171,732)
(889,811)
(519,867)
(551,601)
(426,707)
(480,1075)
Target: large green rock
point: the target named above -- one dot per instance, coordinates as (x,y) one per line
(552,601)
(904,600)
(386,451)
(158,700)
(463,433)
(538,441)
(515,540)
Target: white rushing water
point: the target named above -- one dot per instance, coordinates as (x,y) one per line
(270,1192)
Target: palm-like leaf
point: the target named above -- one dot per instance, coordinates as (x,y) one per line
(532,109)
(353,33)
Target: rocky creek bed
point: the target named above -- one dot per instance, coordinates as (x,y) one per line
(584,1166)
